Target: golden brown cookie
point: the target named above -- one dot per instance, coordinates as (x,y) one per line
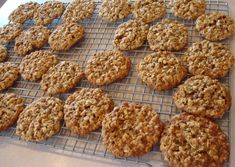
(3,53)
(9,32)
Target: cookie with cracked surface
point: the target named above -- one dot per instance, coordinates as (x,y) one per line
(113,10)
(10,107)
(30,39)
(106,67)
(40,119)
(149,10)
(3,53)
(23,12)
(47,12)
(190,140)
(37,63)
(61,78)
(208,58)
(167,35)
(215,26)
(161,70)
(85,109)
(9,32)
(203,96)
(78,10)
(131,130)
(130,35)
(65,36)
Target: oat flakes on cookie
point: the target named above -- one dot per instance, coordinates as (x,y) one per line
(61,78)
(65,36)
(203,96)
(161,70)
(85,110)
(208,58)
(167,35)
(130,35)
(149,10)
(113,10)
(3,53)
(106,67)
(215,26)
(131,130)
(9,32)
(33,38)
(40,119)
(37,63)
(193,141)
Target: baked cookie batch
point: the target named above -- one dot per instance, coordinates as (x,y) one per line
(190,138)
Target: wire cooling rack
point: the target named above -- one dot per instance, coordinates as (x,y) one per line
(98,37)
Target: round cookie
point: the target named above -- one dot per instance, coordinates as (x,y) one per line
(113,10)
(65,36)
(8,74)
(189,140)
(106,67)
(40,119)
(37,63)
(131,130)
(167,35)
(148,10)
(161,70)
(215,26)
(61,78)
(85,109)
(130,35)
(207,58)
(188,9)
(3,53)
(203,96)
(33,38)
(78,10)
(47,12)
(10,108)
(23,12)
(9,32)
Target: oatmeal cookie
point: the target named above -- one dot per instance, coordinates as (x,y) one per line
(85,109)
(161,70)
(215,26)
(40,119)
(131,130)
(203,96)
(107,67)
(192,141)
(168,35)
(65,36)
(3,53)
(130,35)
(9,32)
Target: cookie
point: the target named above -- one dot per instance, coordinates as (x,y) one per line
(61,78)
(23,12)
(149,10)
(8,74)
(65,36)
(10,108)
(78,10)
(3,53)
(167,35)
(113,10)
(188,9)
(47,12)
(203,96)
(40,119)
(37,63)
(85,109)
(9,32)
(215,26)
(189,140)
(130,35)
(207,58)
(131,130)
(106,67)
(161,70)
(30,39)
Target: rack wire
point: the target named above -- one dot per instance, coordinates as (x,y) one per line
(98,37)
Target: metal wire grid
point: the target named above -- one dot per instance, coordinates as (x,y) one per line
(98,37)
